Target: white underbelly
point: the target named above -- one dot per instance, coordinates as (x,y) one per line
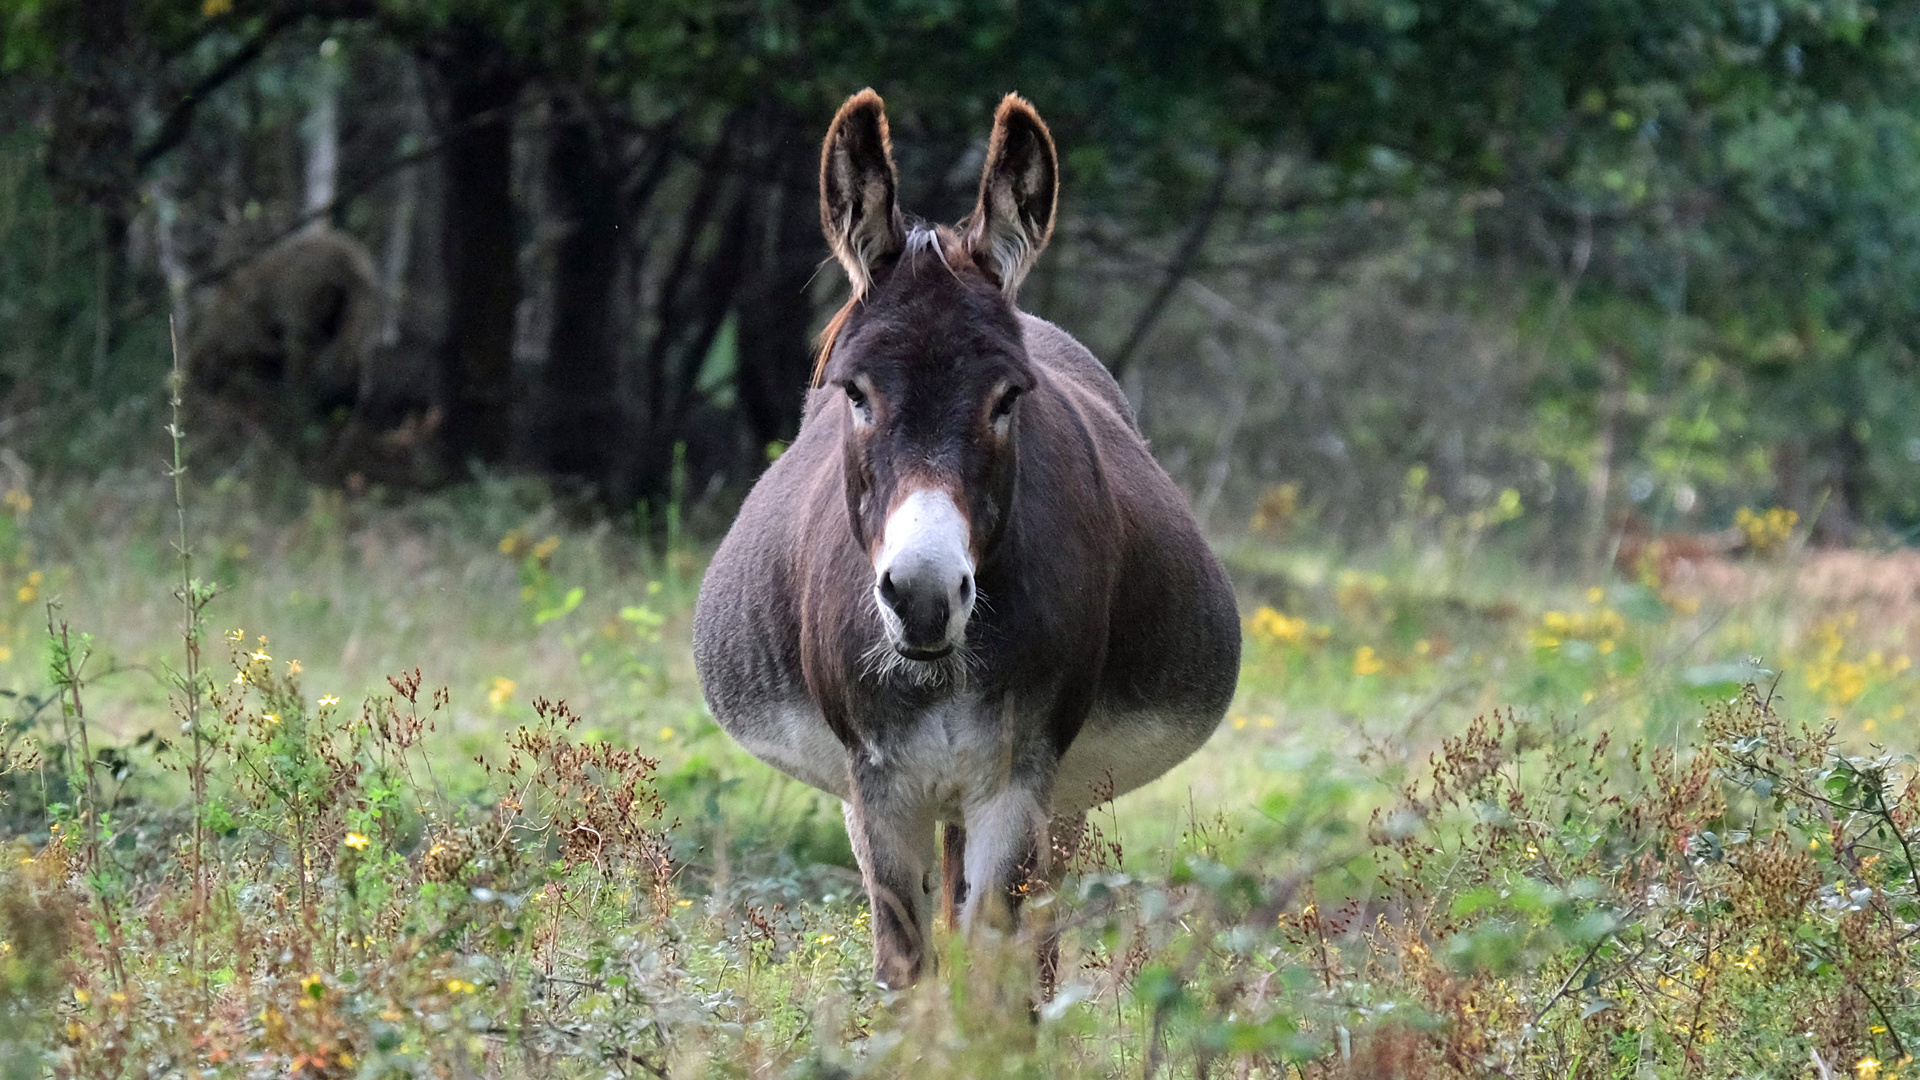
(794,738)
(953,755)
(949,756)
(1118,752)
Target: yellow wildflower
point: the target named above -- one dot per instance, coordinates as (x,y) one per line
(666,733)
(1367,662)
(544,549)
(1268,624)
(1277,506)
(460,986)
(259,656)
(502,690)
(1866,1068)
(1766,530)
(356,841)
(329,701)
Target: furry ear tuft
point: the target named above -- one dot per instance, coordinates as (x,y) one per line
(1018,192)
(858,206)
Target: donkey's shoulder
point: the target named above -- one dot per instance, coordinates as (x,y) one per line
(1062,355)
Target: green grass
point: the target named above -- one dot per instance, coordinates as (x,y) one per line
(1465,818)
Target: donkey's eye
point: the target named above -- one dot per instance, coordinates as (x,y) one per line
(1004,407)
(856,397)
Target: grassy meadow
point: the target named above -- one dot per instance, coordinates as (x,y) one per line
(430,791)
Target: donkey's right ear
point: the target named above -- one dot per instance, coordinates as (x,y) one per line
(858,211)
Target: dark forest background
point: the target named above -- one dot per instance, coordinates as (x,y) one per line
(1584,265)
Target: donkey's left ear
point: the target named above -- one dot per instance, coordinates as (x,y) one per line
(1017,195)
(857,189)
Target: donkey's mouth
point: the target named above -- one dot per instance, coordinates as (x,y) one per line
(924,655)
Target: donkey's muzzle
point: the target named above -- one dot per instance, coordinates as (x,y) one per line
(923,578)
(925,604)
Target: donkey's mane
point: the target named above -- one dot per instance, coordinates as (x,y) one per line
(923,241)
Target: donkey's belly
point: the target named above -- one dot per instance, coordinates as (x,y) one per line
(1115,752)
(1118,752)
(793,737)
(944,758)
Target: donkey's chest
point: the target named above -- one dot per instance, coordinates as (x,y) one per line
(941,756)
(946,755)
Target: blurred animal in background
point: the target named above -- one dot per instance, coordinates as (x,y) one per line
(288,346)
(294,326)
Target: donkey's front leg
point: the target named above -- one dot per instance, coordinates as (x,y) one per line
(1008,853)
(893,842)
(1021,855)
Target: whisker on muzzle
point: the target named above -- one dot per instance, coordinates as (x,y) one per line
(882,662)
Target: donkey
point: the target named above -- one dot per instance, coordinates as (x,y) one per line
(966,595)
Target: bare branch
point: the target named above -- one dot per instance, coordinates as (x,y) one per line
(1177,269)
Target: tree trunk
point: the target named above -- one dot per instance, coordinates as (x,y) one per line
(696,293)
(481,251)
(1852,473)
(579,412)
(323,132)
(775,313)
(397,257)
(699,317)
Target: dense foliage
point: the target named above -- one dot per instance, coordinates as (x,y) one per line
(1614,254)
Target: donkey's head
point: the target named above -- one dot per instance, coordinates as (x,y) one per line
(928,357)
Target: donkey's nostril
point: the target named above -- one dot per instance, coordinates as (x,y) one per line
(887,592)
(966,589)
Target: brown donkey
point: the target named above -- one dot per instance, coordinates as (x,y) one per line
(966,594)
